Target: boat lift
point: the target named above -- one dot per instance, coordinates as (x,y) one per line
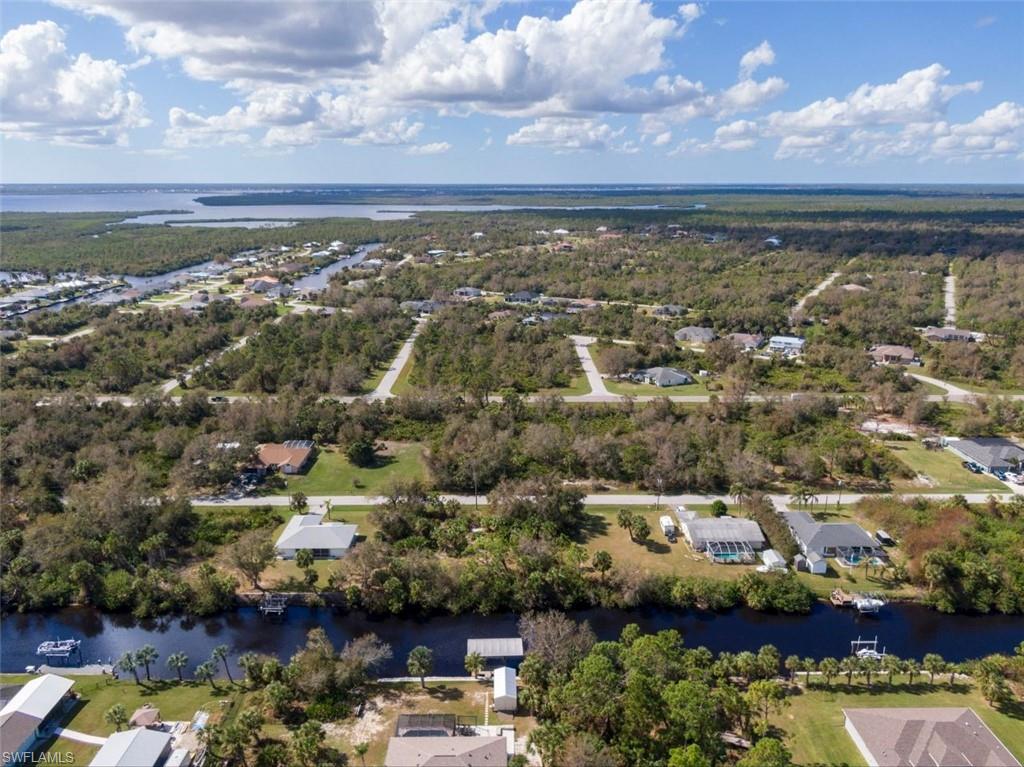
(866,648)
(61,649)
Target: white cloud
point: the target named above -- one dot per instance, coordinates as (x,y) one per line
(437,147)
(985,21)
(662,138)
(737,136)
(904,118)
(761,56)
(49,95)
(566,134)
(998,132)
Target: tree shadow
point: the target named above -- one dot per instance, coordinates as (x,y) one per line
(444,693)
(593,525)
(656,547)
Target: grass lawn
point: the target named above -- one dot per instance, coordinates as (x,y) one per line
(176,701)
(943,469)
(578,384)
(656,555)
(64,751)
(813,722)
(402,385)
(332,474)
(699,387)
(375,727)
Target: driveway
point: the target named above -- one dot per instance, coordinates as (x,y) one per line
(598,391)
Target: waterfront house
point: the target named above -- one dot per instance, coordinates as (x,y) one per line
(326,540)
(31,710)
(925,737)
(723,539)
(134,748)
(456,751)
(830,539)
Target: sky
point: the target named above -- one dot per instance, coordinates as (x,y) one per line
(444,91)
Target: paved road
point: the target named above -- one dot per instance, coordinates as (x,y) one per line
(953,392)
(598,391)
(629,499)
(949,295)
(383,390)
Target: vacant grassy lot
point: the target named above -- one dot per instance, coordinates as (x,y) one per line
(465,699)
(332,474)
(943,469)
(813,722)
(656,555)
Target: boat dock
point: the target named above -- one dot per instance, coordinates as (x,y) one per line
(863,603)
(273,605)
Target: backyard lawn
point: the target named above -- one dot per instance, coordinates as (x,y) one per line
(813,723)
(375,727)
(942,468)
(332,474)
(656,555)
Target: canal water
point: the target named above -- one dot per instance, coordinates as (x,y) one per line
(319,280)
(904,630)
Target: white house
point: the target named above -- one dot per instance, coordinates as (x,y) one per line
(506,697)
(327,540)
(789,346)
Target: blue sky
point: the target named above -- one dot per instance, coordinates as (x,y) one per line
(447,92)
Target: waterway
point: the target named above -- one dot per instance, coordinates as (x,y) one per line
(319,280)
(904,630)
(186,211)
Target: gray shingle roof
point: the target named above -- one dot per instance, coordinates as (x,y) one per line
(994,452)
(818,536)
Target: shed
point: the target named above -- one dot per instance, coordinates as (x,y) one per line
(773,559)
(506,697)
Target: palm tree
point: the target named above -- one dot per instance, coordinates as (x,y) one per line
(420,663)
(626,520)
(738,492)
(849,666)
(933,664)
(793,664)
(128,662)
(868,666)
(891,665)
(177,661)
(829,668)
(361,749)
(953,669)
(116,715)
(913,668)
(145,656)
(474,663)
(205,672)
(809,665)
(220,653)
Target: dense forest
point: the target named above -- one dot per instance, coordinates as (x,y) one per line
(464,349)
(129,349)
(310,353)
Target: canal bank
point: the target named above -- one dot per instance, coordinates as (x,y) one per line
(905,630)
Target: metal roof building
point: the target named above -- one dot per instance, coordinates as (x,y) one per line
(502,647)
(703,531)
(133,748)
(505,695)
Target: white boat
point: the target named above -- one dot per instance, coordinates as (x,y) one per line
(868,604)
(59,647)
